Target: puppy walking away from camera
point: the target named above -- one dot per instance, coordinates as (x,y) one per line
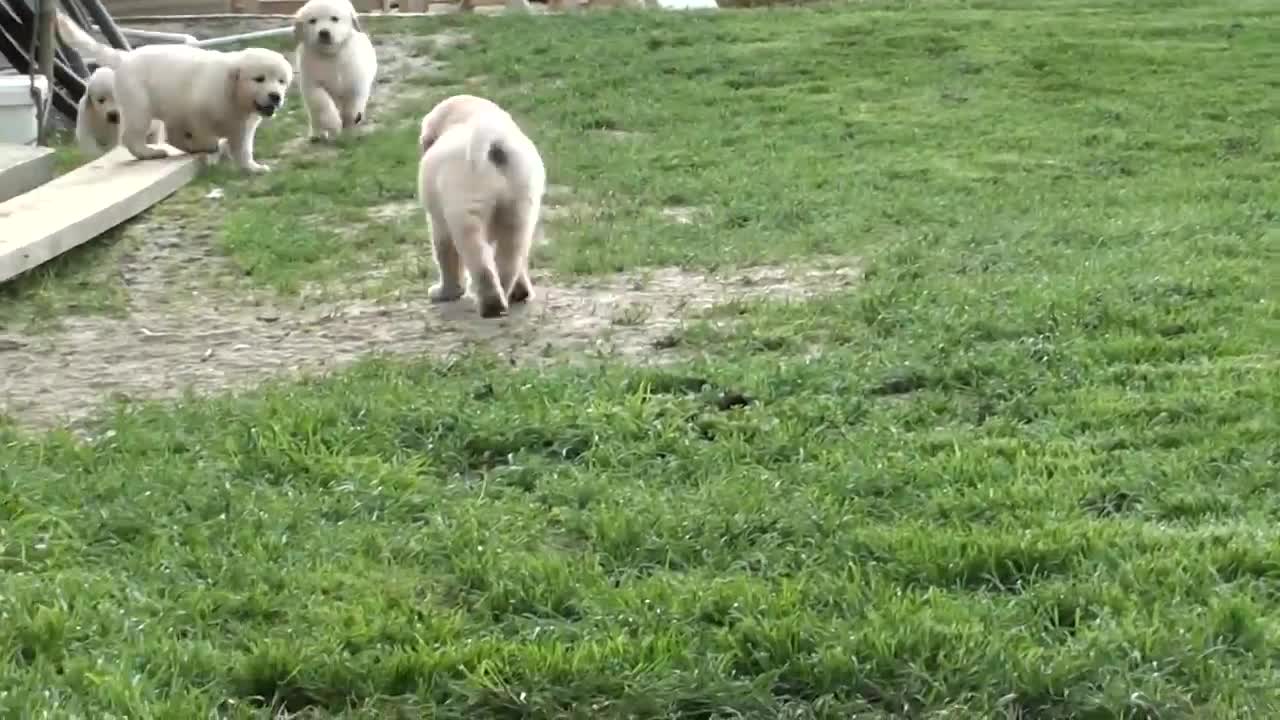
(337,66)
(98,116)
(481,182)
(202,96)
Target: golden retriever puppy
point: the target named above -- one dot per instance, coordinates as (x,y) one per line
(337,66)
(98,116)
(481,182)
(202,96)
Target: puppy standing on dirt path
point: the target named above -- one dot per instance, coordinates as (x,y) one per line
(202,96)
(337,66)
(481,181)
(98,115)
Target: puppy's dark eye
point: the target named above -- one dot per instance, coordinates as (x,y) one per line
(333,19)
(260,79)
(102,100)
(312,21)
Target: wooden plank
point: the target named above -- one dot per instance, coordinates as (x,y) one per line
(42,224)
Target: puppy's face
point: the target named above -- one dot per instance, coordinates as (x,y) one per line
(260,80)
(325,25)
(101,91)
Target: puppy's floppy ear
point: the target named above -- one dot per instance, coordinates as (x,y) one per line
(355,20)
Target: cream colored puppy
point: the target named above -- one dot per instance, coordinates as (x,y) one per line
(98,115)
(337,66)
(481,182)
(202,96)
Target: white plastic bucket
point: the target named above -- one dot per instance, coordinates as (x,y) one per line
(18,124)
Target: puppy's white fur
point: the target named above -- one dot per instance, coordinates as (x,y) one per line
(481,182)
(98,115)
(202,96)
(337,66)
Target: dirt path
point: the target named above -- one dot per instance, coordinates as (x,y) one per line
(208,339)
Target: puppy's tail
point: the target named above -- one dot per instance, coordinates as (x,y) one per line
(491,144)
(84,43)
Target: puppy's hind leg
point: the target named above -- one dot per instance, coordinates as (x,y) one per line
(469,230)
(448,263)
(517,225)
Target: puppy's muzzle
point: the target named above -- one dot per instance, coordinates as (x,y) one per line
(325,37)
(274,101)
(113,117)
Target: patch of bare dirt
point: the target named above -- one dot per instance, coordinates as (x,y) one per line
(208,339)
(615,134)
(396,211)
(684,215)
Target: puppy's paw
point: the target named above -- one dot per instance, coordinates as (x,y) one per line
(442,293)
(492,306)
(521,291)
(150,153)
(258,168)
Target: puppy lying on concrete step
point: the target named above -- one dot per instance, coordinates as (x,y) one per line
(481,182)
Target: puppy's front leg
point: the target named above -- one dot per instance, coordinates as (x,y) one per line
(353,112)
(157,135)
(241,148)
(322,114)
(85,139)
(133,136)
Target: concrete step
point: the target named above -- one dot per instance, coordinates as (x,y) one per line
(23,168)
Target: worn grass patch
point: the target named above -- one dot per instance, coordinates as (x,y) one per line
(1026,469)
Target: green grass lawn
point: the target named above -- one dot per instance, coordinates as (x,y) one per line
(1028,469)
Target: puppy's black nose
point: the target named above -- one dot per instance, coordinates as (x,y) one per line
(325,36)
(274,97)
(113,116)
